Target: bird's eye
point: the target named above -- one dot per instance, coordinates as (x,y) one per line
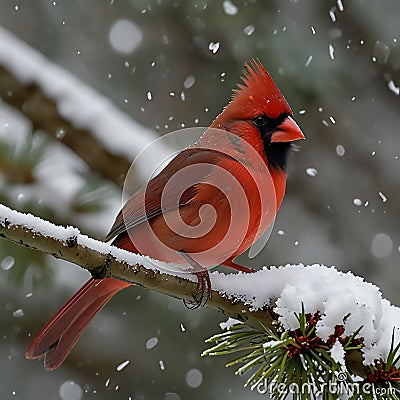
(260,120)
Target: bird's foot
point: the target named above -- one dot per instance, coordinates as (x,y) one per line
(203,292)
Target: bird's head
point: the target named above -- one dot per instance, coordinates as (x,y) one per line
(261,115)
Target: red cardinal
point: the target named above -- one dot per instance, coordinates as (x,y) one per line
(207,206)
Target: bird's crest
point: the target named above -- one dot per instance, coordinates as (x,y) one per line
(258,94)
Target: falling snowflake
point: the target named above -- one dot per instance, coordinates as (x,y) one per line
(213,47)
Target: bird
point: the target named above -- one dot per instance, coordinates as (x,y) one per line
(207,206)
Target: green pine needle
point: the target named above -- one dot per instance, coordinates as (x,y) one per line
(19,160)
(297,364)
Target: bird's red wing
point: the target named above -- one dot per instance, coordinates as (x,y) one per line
(161,194)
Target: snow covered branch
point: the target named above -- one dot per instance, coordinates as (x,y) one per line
(331,320)
(64,107)
(43,114)
(104,260)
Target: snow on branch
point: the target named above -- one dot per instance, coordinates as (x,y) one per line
(104,260)
(67,109)
(289,311)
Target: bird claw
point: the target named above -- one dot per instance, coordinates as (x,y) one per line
(203,292)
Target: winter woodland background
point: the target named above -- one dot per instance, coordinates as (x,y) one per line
(338,64)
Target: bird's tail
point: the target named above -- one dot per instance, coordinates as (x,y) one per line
(55,341)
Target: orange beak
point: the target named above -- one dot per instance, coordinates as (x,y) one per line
(287,131)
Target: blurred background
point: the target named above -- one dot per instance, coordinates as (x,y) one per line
(169,64)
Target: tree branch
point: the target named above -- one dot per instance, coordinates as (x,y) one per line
(109,261)
(109,265)
(106,261)
(42,111)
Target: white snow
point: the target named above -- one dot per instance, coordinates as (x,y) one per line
(332,14)
(151,343)
(170,395)
(62,233)
(40,225)
(311,172)
(340,150)
(393,87)
(194,378)
(331,52)
(189,82)
(341,298)
(308,62)
(124,36)
(381,245)
(381,52)
(229,8)
(272,343)
(122,365)
(7,263)
(18,313)
(70,390)
(228,323)
(249,30)
(213,47)
(383,197)
(338,353)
